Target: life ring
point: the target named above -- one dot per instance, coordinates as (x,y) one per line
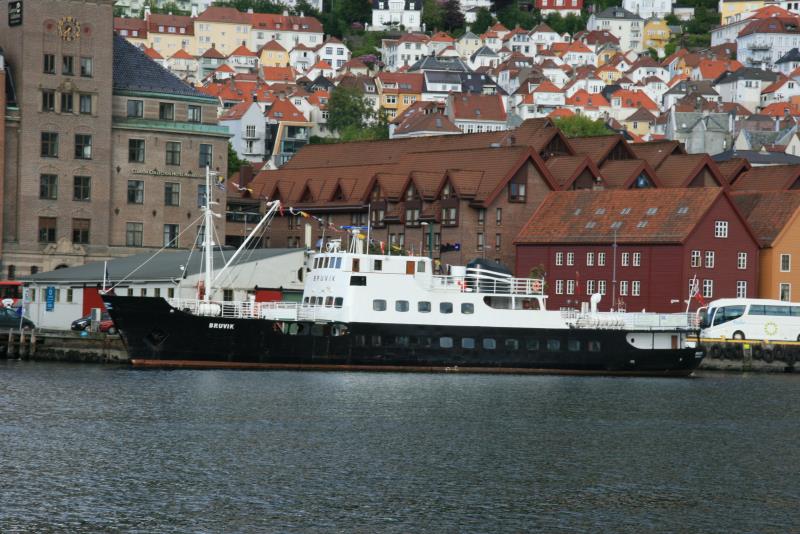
(771,328)
(536,286)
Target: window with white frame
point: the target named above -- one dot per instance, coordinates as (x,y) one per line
(570,258)
(625,259)
(709,259)
(590,287)
(696,258)
(601,259)
(741,261)
(570,287)
(637,259)
(636,288)
(741,289)
(559,258)
(623,288)
(721,229)
(559,287)
(590,259)
(708,288)
(786,263)
(601,287)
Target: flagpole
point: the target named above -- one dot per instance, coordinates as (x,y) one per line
(105,270)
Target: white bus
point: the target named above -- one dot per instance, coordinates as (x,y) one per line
(757,319)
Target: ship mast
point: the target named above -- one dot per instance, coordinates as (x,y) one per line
(207,238)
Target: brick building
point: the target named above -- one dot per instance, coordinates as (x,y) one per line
(640,249)
(83,97)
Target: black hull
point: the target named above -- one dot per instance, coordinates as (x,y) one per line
(157,334)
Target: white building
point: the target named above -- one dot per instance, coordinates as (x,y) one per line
(334,53)
(248,128)
(648,8)
(396,13)
(168,274)
(287,30)
(626,26)
(764,41)
(744,86)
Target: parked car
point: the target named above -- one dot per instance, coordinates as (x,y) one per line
(106,323)
(9,318)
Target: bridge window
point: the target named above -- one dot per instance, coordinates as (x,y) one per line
(445,307)
(532,344)
(337,302)
(358,280)
(328,301)
(401,305)
(379,305)
(512,344)
(377,265)
(446,342)
(553,345)
(489,343)
(593,346)
(573,345)
(467,308)
(376,341)
(424,306)
(467,343)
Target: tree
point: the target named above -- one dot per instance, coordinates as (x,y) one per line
(653,53)
(354,11)
(258,6)
(672,20)
(432,15)
(452,17)
(348,109)
(580,126)
(234,163)
(483,21)
(670,48)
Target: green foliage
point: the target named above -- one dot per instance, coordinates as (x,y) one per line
(670,48)
(258,6)
(452,17)
(169,7)
(672,20)
(432,15)
(570,24)
(483,21)
(511,17)
(580,126)
(653,53)
(364,43)
(348,110)
(234,163)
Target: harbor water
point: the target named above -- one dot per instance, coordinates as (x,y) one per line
(90,448)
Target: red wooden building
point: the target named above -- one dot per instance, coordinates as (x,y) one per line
(640,249)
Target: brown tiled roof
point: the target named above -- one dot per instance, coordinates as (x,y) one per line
(732,168)
(655,152)
(641,114)
(228,15)
(598,148)
(565,169)
(769,178)
(427,122)
(767,212)
(590,216)
(477,107)
(621,174)
(679,171)
(533,132)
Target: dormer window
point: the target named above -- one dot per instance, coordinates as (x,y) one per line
(411,192)
(446,192)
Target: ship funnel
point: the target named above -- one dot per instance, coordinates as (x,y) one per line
(595,300)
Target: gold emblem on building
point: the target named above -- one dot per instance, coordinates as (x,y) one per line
(69,29)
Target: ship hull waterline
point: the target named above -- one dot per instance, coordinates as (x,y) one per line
(159,335)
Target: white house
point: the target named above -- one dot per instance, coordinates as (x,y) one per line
(287,30)
(243,60)
(648,8)
(246,124)
(396,13)
(405,51)
(561,7)
(744,86)
(184,65)
(334,53)
(626,26)
(789,62)
(302,57)
(477,113)
(764,41)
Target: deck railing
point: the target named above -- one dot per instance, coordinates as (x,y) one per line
(480,282)
(632,321)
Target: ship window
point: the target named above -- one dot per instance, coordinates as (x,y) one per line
(316,263)
(420,266)
(305,301)
(337,302)
(489,343)
(425,341)
(424,306)
(573,345)
(593,346)
(467,307)
(328,301)
(317,330)
(325,262)
(379,305)
(512,344)
(401,305)
(553,345)
(402,341)
(467,343)
(445,307)
(356,265)
(361,340)
(358,280)
(296,329)
(339,262)
(378,265)
(376,341)
(532,344)
(446,342)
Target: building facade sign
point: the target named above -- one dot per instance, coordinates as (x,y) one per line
(15,13)
(156,172)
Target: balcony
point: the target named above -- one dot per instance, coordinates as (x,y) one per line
(759,46)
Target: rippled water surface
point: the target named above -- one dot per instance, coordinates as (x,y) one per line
(107,449)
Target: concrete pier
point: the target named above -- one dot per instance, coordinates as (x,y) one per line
(63,346)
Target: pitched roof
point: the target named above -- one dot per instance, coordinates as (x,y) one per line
(769,178)
(679,171)
(426,122)
(212,53)
(273,46)
(229,15)
(272,21)
(152,53)
(623,173)
(242,50)
(654,153)
(134,71)
(633,99)
(237,112)
(733,168)
(470,106)
(599,147)
(624,215)
(283,110)
(182,54)
(278,73)
(772,25)
(641,114)
(565,169)
(767,212)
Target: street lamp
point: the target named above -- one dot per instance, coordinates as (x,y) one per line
(430,237)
